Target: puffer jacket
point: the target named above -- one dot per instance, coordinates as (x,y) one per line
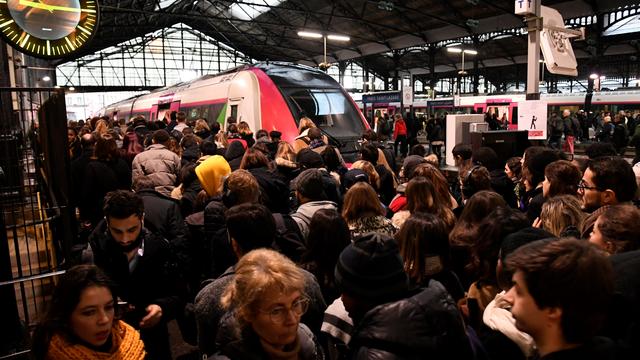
(426,324)
(160,164)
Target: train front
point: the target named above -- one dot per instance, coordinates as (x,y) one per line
(314,94)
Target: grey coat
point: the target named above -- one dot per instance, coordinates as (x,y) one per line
(160,164)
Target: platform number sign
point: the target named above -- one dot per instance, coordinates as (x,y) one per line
(48,28)
(525,7)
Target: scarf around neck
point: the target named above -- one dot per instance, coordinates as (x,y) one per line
(126,345)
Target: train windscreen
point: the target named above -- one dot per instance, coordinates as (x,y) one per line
(312,93)
(329,109)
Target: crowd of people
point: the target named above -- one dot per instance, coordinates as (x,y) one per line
(264,249)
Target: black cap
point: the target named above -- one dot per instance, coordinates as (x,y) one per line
(309,159)
(352,177)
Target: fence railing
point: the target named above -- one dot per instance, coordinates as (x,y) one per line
(37,221)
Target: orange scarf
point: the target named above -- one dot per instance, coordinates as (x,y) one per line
(126,345)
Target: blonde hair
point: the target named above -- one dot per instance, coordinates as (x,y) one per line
(201,124)
(366,166)
(285,151)
(243,128)
(257,273)
(221,138)
(101,128)
(305,123)
(559,212)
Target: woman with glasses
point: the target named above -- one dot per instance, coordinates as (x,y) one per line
(266,300)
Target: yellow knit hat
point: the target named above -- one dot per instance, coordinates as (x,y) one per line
(211,173)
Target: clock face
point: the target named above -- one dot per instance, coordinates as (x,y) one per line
(48,28)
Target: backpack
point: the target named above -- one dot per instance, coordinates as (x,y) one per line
(288,241)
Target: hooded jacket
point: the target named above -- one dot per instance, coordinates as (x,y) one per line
(426,323)
(305,212)
(211,173)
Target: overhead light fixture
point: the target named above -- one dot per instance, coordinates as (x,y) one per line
(386,5)
(72,88)
(338,37)
(309,34)
(594,76)
(470,52)
(46,78)
(472,23)
(454,50)
(57,87)
(602,77)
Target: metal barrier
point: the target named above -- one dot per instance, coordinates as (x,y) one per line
(38,224)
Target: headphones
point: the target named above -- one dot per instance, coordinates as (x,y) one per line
(467,188)
(229,198)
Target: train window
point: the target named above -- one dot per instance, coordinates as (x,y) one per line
(193,113)
(329,109)
(234,112)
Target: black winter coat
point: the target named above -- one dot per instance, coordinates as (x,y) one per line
(273,190)
(234,154)
(218,254)
(427,324)
(101,177)
(153,281)
(162,216)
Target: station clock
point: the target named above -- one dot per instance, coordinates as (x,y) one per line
(48,28)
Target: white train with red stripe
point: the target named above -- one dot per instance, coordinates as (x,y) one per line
(270,96)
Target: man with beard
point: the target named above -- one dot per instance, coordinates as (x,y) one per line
(608,180)
(142,266)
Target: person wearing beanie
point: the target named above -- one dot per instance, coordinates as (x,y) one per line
(390,320)
(211,174)
(159,163)
(313,190)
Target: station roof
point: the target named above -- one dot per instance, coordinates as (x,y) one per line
(385,35)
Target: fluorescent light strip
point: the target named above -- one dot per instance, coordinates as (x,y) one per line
(309,34)
(338,37)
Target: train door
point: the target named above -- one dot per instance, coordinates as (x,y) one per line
(513,116)
(154,113)
(244,100)
(175,106)
(162,109)
(479,108)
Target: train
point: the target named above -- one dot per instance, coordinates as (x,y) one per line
(502,105)
(267,95)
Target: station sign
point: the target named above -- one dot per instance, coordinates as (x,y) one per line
(525,7)
(532,117)
(387,97)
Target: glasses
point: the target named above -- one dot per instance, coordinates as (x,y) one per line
(582,186)
(279,314)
